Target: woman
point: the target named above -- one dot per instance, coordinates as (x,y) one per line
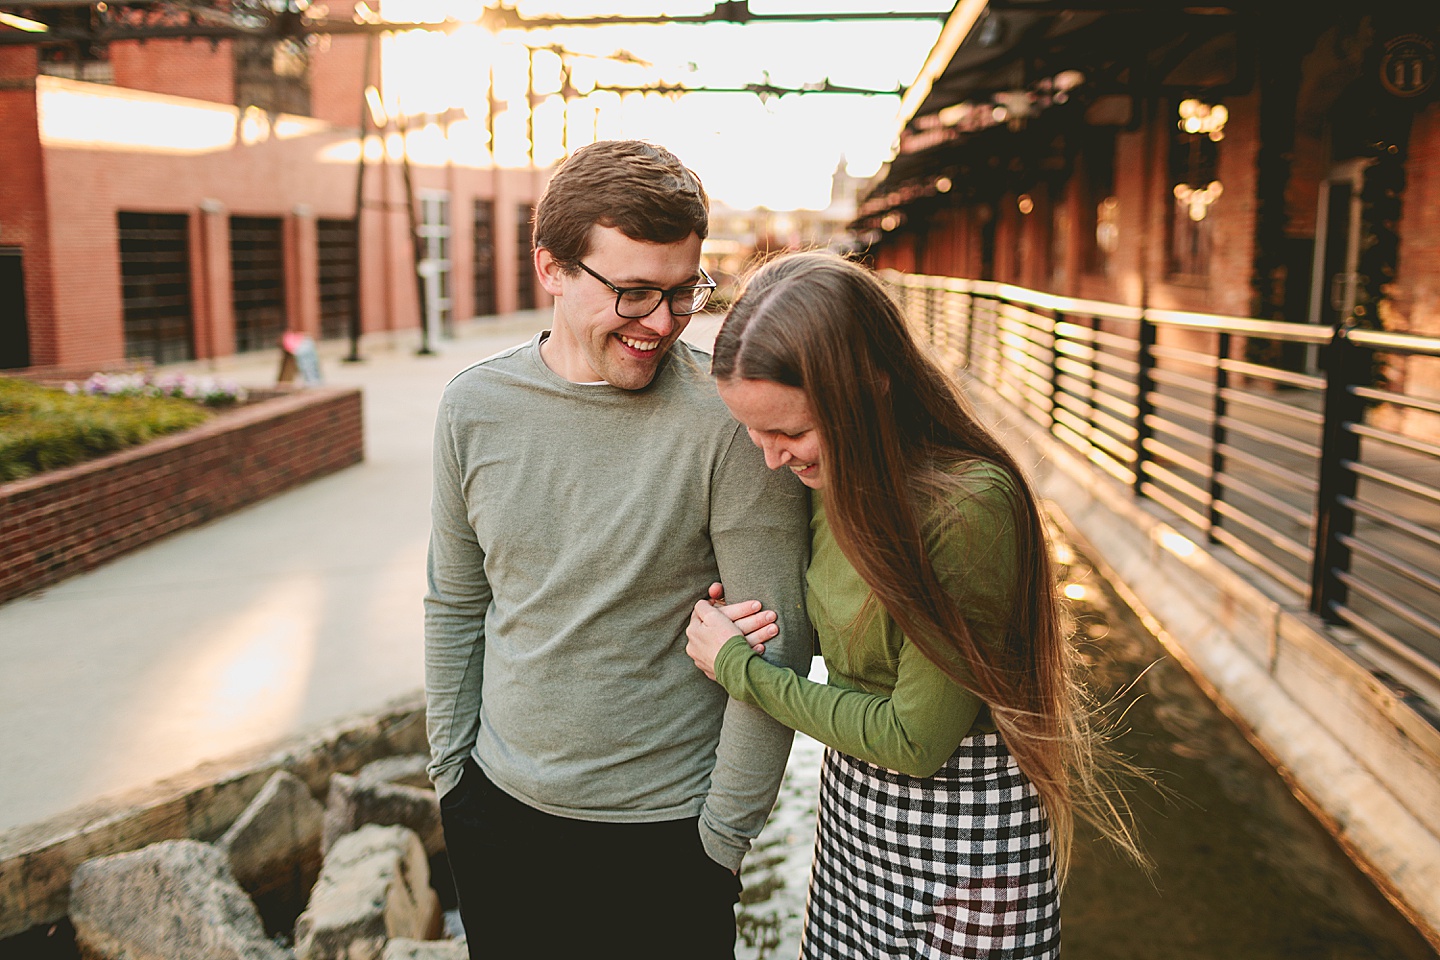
(958,750)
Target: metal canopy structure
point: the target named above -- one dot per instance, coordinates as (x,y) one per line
(93,22)
(1017,68)
(87,26)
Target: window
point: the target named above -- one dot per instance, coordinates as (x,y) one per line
(484,247)
(14,329)
(257,277)
(336,241)
(155,286)
(273,75)
(1100,208)
(525,264)
(1194,186)
(435,235)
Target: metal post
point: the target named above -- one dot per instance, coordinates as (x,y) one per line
(1219,410)
(1092,385)
(417,242)
(1346,367)
(1144,387)
(355,312)
(530,104)
(1055,321)
(932,308)
(968,359)
(491,108)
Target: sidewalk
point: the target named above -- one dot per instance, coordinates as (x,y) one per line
(263,625)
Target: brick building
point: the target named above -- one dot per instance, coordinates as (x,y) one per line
(183,199)
(1247,159)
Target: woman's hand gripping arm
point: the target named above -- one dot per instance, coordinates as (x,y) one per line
(713,621)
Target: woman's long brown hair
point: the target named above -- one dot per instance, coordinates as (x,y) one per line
(893,430)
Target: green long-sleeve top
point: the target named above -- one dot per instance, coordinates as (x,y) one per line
(885,702)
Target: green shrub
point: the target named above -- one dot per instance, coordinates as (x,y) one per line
(43,428)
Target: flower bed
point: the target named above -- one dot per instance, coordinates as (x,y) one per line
(210,391)
(44,427)
(73,519)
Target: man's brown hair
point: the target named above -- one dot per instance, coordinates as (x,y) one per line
(638,188)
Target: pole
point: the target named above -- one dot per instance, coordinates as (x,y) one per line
(355,314)
(530,104)
(417,242)
(1347,367)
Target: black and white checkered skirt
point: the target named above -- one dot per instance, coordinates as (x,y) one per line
(958,864)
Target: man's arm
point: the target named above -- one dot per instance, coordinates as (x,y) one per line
(760,528)
(456,599)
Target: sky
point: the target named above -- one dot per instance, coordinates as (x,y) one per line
(778,154)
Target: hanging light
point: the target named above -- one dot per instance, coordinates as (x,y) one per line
(1197,201)
(1198,117)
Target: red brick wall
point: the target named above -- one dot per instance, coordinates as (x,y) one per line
(23,221)
(18,63)
(1232,260)
(1417,286)
(182,68)
(270,177)
(57,524)
(337,67)
(302,275)
(301,170)
(210,272)
(205,70)
(60,194)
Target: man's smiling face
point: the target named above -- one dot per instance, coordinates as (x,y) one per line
(590,341)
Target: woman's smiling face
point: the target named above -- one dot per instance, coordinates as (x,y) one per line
(780,422)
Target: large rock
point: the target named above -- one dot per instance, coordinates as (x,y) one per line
(173,900)
(374,886)
(406,769)
(275,843)
(426,950)
(356,801)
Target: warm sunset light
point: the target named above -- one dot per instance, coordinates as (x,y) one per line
(88,116)
(779,152)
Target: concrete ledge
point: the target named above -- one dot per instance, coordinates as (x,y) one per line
(1361,758)
(37,861)
(66,521)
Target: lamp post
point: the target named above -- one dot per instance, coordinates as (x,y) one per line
(369,101)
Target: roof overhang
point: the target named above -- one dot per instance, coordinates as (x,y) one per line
(999,67)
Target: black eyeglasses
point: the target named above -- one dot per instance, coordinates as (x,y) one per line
(636,303)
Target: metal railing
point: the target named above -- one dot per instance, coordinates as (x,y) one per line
(1311,454)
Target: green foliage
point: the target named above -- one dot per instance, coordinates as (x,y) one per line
(44,428)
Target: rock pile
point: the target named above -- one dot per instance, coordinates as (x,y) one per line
(360,863)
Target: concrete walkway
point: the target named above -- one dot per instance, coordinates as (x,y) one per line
(262,626)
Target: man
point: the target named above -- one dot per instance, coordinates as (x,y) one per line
(598,792)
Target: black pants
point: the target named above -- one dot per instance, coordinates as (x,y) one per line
(532,885)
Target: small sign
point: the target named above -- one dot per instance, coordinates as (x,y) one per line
(298,355)
(1407,67)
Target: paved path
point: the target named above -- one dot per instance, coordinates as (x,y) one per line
(266,624)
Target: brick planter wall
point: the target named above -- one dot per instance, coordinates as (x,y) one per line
(66,521)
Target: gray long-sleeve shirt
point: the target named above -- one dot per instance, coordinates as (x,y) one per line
(574,527)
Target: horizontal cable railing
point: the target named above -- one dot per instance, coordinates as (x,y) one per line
(1311,454)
